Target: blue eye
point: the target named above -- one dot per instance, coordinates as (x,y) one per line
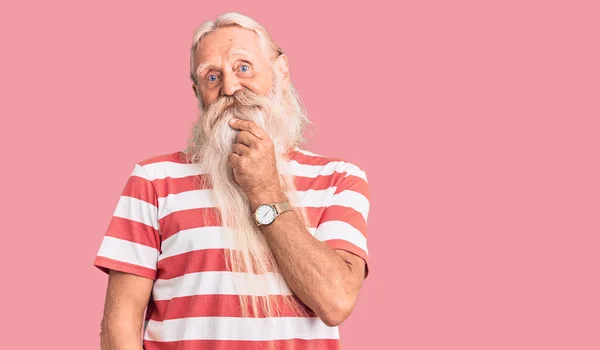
(245,68)
(212,78)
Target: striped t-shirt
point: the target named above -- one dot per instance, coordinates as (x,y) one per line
(160,230)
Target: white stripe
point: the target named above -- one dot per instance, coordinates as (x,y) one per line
(209,237)
(128,252)
(346,198)
(140,172)
(200,238)
(185,200)
(313,171)
(203,199)
(162,170)
(350,168)
(341,230)
(137,210)
(308,153)
(315,198)
(239,328)
(354,200)
(220,282)
(353,170)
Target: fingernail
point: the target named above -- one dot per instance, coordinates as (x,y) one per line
(233,120)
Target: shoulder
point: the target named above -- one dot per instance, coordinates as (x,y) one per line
(175,157)
(328,165)
(164,165)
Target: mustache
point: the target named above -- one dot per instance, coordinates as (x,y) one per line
(242,105)
(239,101)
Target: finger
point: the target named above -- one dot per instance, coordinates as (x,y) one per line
(240,149)
(249,126)
(233,159)
(246,138)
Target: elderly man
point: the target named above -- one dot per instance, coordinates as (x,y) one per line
(242,240)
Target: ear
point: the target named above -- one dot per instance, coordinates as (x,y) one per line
(281,64)
(195,90)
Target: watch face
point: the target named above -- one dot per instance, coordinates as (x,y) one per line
(265,214)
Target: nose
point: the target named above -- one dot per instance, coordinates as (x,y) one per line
(231,84)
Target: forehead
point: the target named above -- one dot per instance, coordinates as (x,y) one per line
(226,42)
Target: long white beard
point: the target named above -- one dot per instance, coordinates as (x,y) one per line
(214,140)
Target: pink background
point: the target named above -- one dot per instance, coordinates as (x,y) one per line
(477,124)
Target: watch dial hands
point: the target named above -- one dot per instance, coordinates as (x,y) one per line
(265,214)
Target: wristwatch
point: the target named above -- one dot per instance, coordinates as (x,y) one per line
(265,214)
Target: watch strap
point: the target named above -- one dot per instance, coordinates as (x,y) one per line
(282,207)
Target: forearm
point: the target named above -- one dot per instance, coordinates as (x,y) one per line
(120,337)
(318,275)
(120,334)
(126,297)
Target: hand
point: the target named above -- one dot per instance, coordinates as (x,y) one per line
(254,165)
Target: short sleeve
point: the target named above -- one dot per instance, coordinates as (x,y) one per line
(343,224)
(131,243)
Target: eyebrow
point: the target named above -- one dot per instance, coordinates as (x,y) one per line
(203,66)
(240,52)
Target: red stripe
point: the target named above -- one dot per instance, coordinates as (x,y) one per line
(190,262)
(321,182)
(300,157)
(353,183)
(223,306)
(167,186)
(170,157)
(345,214)
(291,344)
(340,244)
(187,219)
(133,231)
(141,189)
(349,247)
(313,160)
(194,261)
(106,264)
(215,260)
(203,217)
